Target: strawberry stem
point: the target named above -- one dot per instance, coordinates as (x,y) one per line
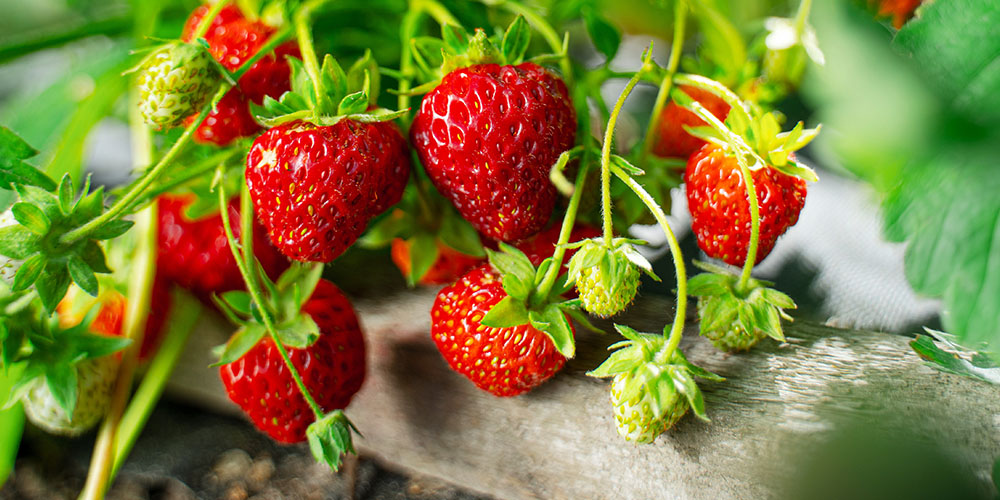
(677,328)
(140,287)
(800,18)
(185,311)
(569,220)
(257,295)
(548,33)
(609,134)
(439,12)
(754,224)
(206,22)
(676,48)
(303,30)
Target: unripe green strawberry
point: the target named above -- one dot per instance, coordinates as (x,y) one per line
(607,301)
(174,82)
(95,378)
(730,336)
(635,418)
(8,266)
(607,275)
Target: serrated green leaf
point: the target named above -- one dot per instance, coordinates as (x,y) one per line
(605,36)
(506,313)
(515,40)
(31,217)
(28,273)
(241,342)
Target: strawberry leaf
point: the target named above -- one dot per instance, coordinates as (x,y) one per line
(515,41)
(62,383)
(684,383)
(553,322)
(241,342)
(82,275)
(605,36)
(299,333)
(31,217)
(423,253)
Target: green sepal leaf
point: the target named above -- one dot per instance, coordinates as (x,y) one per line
(605,36)
(330,437)
(580,318)
(627,166)
(241,342)
(89,206)
(353,103)
(684,383)
(61,380)
(13,169)
(335,80)
(553,322)
(460,235)
(386,229)
(507,313)
(299,333)
(455,37)
(364,74)
(82,275)
(517,287)
(41,199)
(112,229)
(510,260)
(238,300)
(52,285)
(29,272)
(423,253)
(31,217)
(515,41)
(66,194)
(428,53)
(91,346)
(93,255)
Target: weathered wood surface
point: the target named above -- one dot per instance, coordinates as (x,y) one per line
(559,441)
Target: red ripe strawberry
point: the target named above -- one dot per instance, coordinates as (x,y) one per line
(720,211)
(195,253)
(316,188)
(448,267)
(900,10)
(230,120)
(502,361)
(232,40)
(673,140)
(487,136)
(332,368)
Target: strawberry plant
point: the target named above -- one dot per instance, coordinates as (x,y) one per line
(472,140)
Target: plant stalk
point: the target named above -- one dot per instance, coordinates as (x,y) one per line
(609,134)
(676,48)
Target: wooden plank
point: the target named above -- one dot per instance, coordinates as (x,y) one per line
(559,441)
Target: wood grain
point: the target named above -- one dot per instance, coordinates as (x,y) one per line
(778,404)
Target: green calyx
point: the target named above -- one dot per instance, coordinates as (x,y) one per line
(174,82)
(607,278)
(650,396)
(736,319)
(285,299)
(32,238)
(436,57)
(328,96)
(524,303)
(330,437)
(748,132)
(424,220)
(46,352)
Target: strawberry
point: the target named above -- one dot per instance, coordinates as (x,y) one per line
(94,381)
(720,211)
(504,361)
(174,82)
(672,140)
(316,187)
(195,254)
(232,40)
(652,389)
(332,368)
(488,135)
(899,10)
(449,265)
(634,417)
(607,276)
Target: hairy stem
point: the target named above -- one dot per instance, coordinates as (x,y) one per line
(754,223)
(609,134)
(676,48)
(257,295)
(677,328)
(569,220)
(303,30)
